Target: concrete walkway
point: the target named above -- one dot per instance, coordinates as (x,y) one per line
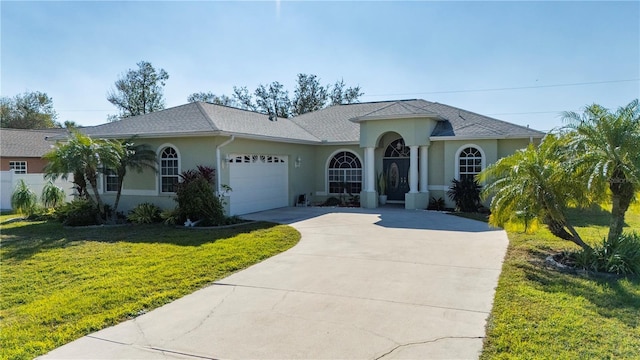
(361,284)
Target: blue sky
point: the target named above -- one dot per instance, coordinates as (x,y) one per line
(437,51)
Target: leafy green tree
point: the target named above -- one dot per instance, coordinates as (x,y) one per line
(85,158)
(211,98)
(135,157)
(243,99)
(535,182)
(606,155)
(339,95)
(139,91)
(309,95)
(30,110)
(273,100)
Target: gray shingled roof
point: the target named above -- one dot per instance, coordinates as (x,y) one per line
(26,143)
(332,124)
(335,124)
(200,117)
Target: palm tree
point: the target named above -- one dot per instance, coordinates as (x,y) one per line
(136,157)
(606,148)
(85,158)
(534,183)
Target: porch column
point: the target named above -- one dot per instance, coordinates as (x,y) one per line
(413,169)
(369,168)
(424,168)
(368,196)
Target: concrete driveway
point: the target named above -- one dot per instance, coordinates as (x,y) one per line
(361,284)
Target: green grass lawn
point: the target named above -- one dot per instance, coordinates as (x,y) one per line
(59,284)
(541,313)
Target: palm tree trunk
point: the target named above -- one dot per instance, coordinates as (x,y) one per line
(94,185)
(117,201)
(621,195)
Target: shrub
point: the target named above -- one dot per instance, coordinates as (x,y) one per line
(52,195)
(618,256)
(79,212)
(196,199)
(170,217)
(145,213)
(23,199)
(466,194)
(436,204)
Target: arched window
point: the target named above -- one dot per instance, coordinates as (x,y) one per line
(169,169)
(470,162)
(345,173)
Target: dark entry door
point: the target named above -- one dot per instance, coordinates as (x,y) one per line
(397,174)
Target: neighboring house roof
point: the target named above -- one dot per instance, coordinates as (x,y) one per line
(334,124)
(26,143)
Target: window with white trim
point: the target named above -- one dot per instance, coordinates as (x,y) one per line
(18,167)
(345,173)
(469,163)
(169,170)
(111,182)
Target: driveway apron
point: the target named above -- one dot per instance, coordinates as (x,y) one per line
(383,283)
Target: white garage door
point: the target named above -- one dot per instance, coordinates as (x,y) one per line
(259,182)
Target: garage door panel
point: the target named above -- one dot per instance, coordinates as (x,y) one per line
(257,184)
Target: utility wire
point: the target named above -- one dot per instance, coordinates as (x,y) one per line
(508,88)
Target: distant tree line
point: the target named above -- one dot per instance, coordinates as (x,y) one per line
(140,91)
(272,99)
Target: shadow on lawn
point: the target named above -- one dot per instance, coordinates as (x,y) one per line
(611,298)
(22,242)
(594,215)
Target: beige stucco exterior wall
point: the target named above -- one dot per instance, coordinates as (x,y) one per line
(413,131)
(311,177)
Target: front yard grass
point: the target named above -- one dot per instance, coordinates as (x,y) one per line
(59,284)
(541,313)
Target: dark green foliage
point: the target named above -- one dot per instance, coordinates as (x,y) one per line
(272,99)
(139,91)
(145,213)
(618,256)
(79,212)
(31,110)
(466,194)
(23,199)
(332,201)
(436,204)
(196,199)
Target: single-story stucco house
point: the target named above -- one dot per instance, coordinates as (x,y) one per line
(268,163)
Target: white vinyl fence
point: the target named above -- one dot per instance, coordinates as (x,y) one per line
(36,182)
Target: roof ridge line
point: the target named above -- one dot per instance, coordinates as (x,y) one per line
(206,116)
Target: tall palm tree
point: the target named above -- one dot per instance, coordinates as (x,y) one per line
(534,183)
(606,148)
(135,157)
(85,158)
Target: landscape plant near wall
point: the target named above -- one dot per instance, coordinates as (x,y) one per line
(196,199)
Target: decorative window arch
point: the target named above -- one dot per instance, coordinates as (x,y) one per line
(344,172)
(169,168)
(397,149)
(470,161)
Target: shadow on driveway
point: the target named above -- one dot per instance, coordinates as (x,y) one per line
(389,217)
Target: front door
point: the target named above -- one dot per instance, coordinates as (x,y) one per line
(396,171)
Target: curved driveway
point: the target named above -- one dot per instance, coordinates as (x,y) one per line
(361,284)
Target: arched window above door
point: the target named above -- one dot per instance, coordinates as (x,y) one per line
(397,148)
